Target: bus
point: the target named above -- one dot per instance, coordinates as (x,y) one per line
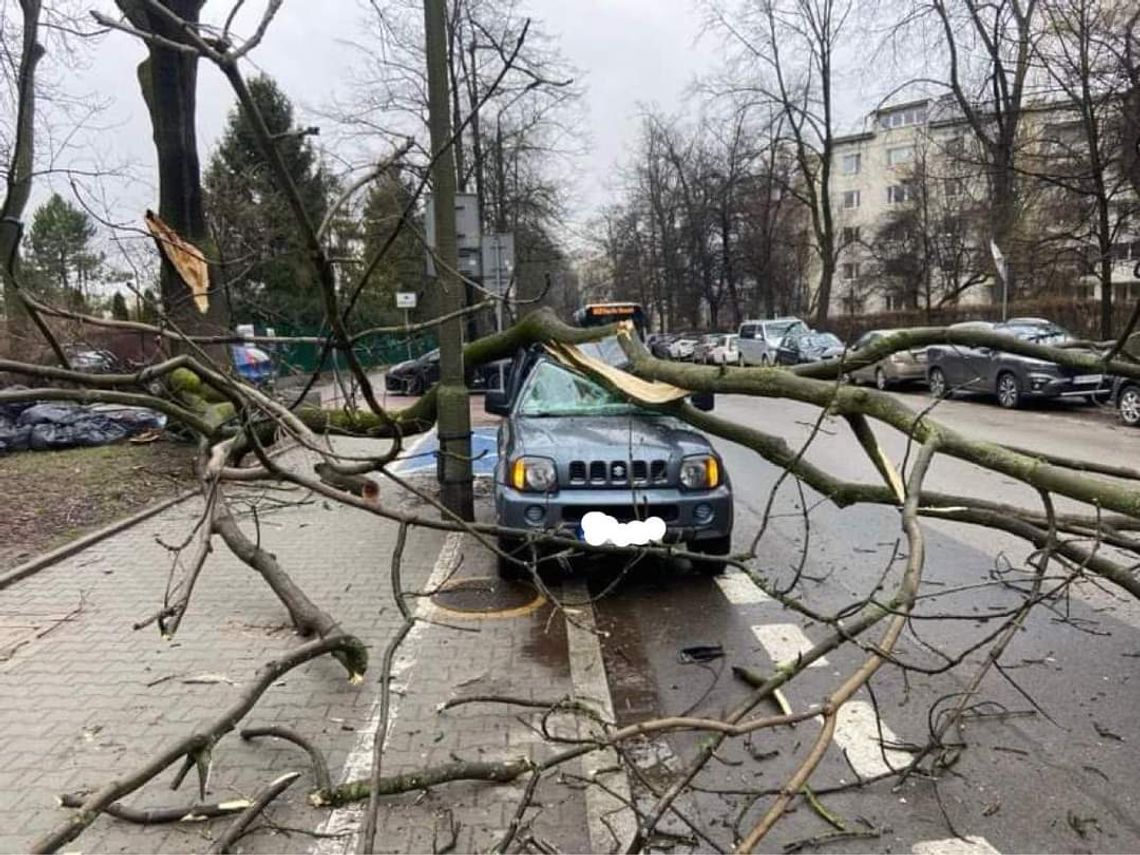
(600,314)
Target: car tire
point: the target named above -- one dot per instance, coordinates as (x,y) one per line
(719,546)
(881,380)
(937,382)
(1128,405)
(765,360)
(1008,391)
(508,569)
(740,362)
(415,386)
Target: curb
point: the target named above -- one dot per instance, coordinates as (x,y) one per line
(68,549)
(47,559)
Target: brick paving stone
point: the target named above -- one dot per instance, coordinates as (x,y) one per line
(93,698)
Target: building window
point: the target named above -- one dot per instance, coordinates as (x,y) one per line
(898,193)
(900,155)
(851,163)
(851,199)
(900,118)
(850,270)
(850,235)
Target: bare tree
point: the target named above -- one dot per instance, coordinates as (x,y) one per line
(989,56)
(794,44)
(1080,155)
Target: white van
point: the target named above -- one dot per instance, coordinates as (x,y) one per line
(758,340)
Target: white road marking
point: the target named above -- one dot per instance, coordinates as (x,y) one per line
(739,590)
(607,817)
(955,846)
(784,642)
(408,459)
(857,733)
(359,762)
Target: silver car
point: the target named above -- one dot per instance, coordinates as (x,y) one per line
(906,366)
(758,341)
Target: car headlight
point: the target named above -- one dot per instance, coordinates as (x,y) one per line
(700,473)
(534,475)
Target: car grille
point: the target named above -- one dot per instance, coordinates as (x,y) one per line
(618,473)
(623,513)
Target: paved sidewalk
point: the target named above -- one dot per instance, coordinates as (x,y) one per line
(84,698)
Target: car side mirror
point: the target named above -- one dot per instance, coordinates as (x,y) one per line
(703,401)
(496,402)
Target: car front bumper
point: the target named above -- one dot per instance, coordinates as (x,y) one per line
(562,511)
(1049,386)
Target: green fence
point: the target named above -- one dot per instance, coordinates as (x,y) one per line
(372,351)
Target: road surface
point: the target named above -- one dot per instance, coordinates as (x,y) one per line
(1054,772)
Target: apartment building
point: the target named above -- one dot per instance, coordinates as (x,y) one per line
(908,187)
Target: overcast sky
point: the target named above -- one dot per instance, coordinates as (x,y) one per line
(630,52)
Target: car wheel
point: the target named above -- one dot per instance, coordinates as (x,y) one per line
(509,569)
(1008,391)
(1129,406)
(415,386)
(740,362)
(880,380)
(765,360)
(718,546)
(937,381)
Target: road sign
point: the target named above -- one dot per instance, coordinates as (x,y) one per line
(467,232)
(405,299)
(498,261)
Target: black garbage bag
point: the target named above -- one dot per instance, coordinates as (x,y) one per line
(11,412)
(13,437)
(53,413)
(89,431)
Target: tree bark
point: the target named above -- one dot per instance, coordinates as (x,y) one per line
(169,81)
(19,187)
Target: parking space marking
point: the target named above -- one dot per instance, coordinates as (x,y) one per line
(857,733)
(421,455)
(343,824)
(784,642)
(740,590)
(955,846)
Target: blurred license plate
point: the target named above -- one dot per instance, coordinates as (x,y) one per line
(1088,378)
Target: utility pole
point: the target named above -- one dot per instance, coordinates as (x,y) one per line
(453,416)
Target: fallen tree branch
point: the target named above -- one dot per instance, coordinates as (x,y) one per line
(320,767)
(196,747)
(260,803)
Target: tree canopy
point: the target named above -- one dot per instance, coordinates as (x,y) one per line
(268,279)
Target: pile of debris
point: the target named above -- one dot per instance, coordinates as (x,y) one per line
(52,425)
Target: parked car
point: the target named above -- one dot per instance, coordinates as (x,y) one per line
(683,346)
(91,360)
(253,364)
(703,346)
(723,351)
(415,376)
(905,366)
(799,348)
(759,340)
(1126,397)
(1010,377)
(659,344)
(568,446)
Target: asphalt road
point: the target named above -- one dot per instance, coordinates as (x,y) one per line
(1054,772)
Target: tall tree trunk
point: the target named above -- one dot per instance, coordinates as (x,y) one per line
(19,187)
(169,82)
